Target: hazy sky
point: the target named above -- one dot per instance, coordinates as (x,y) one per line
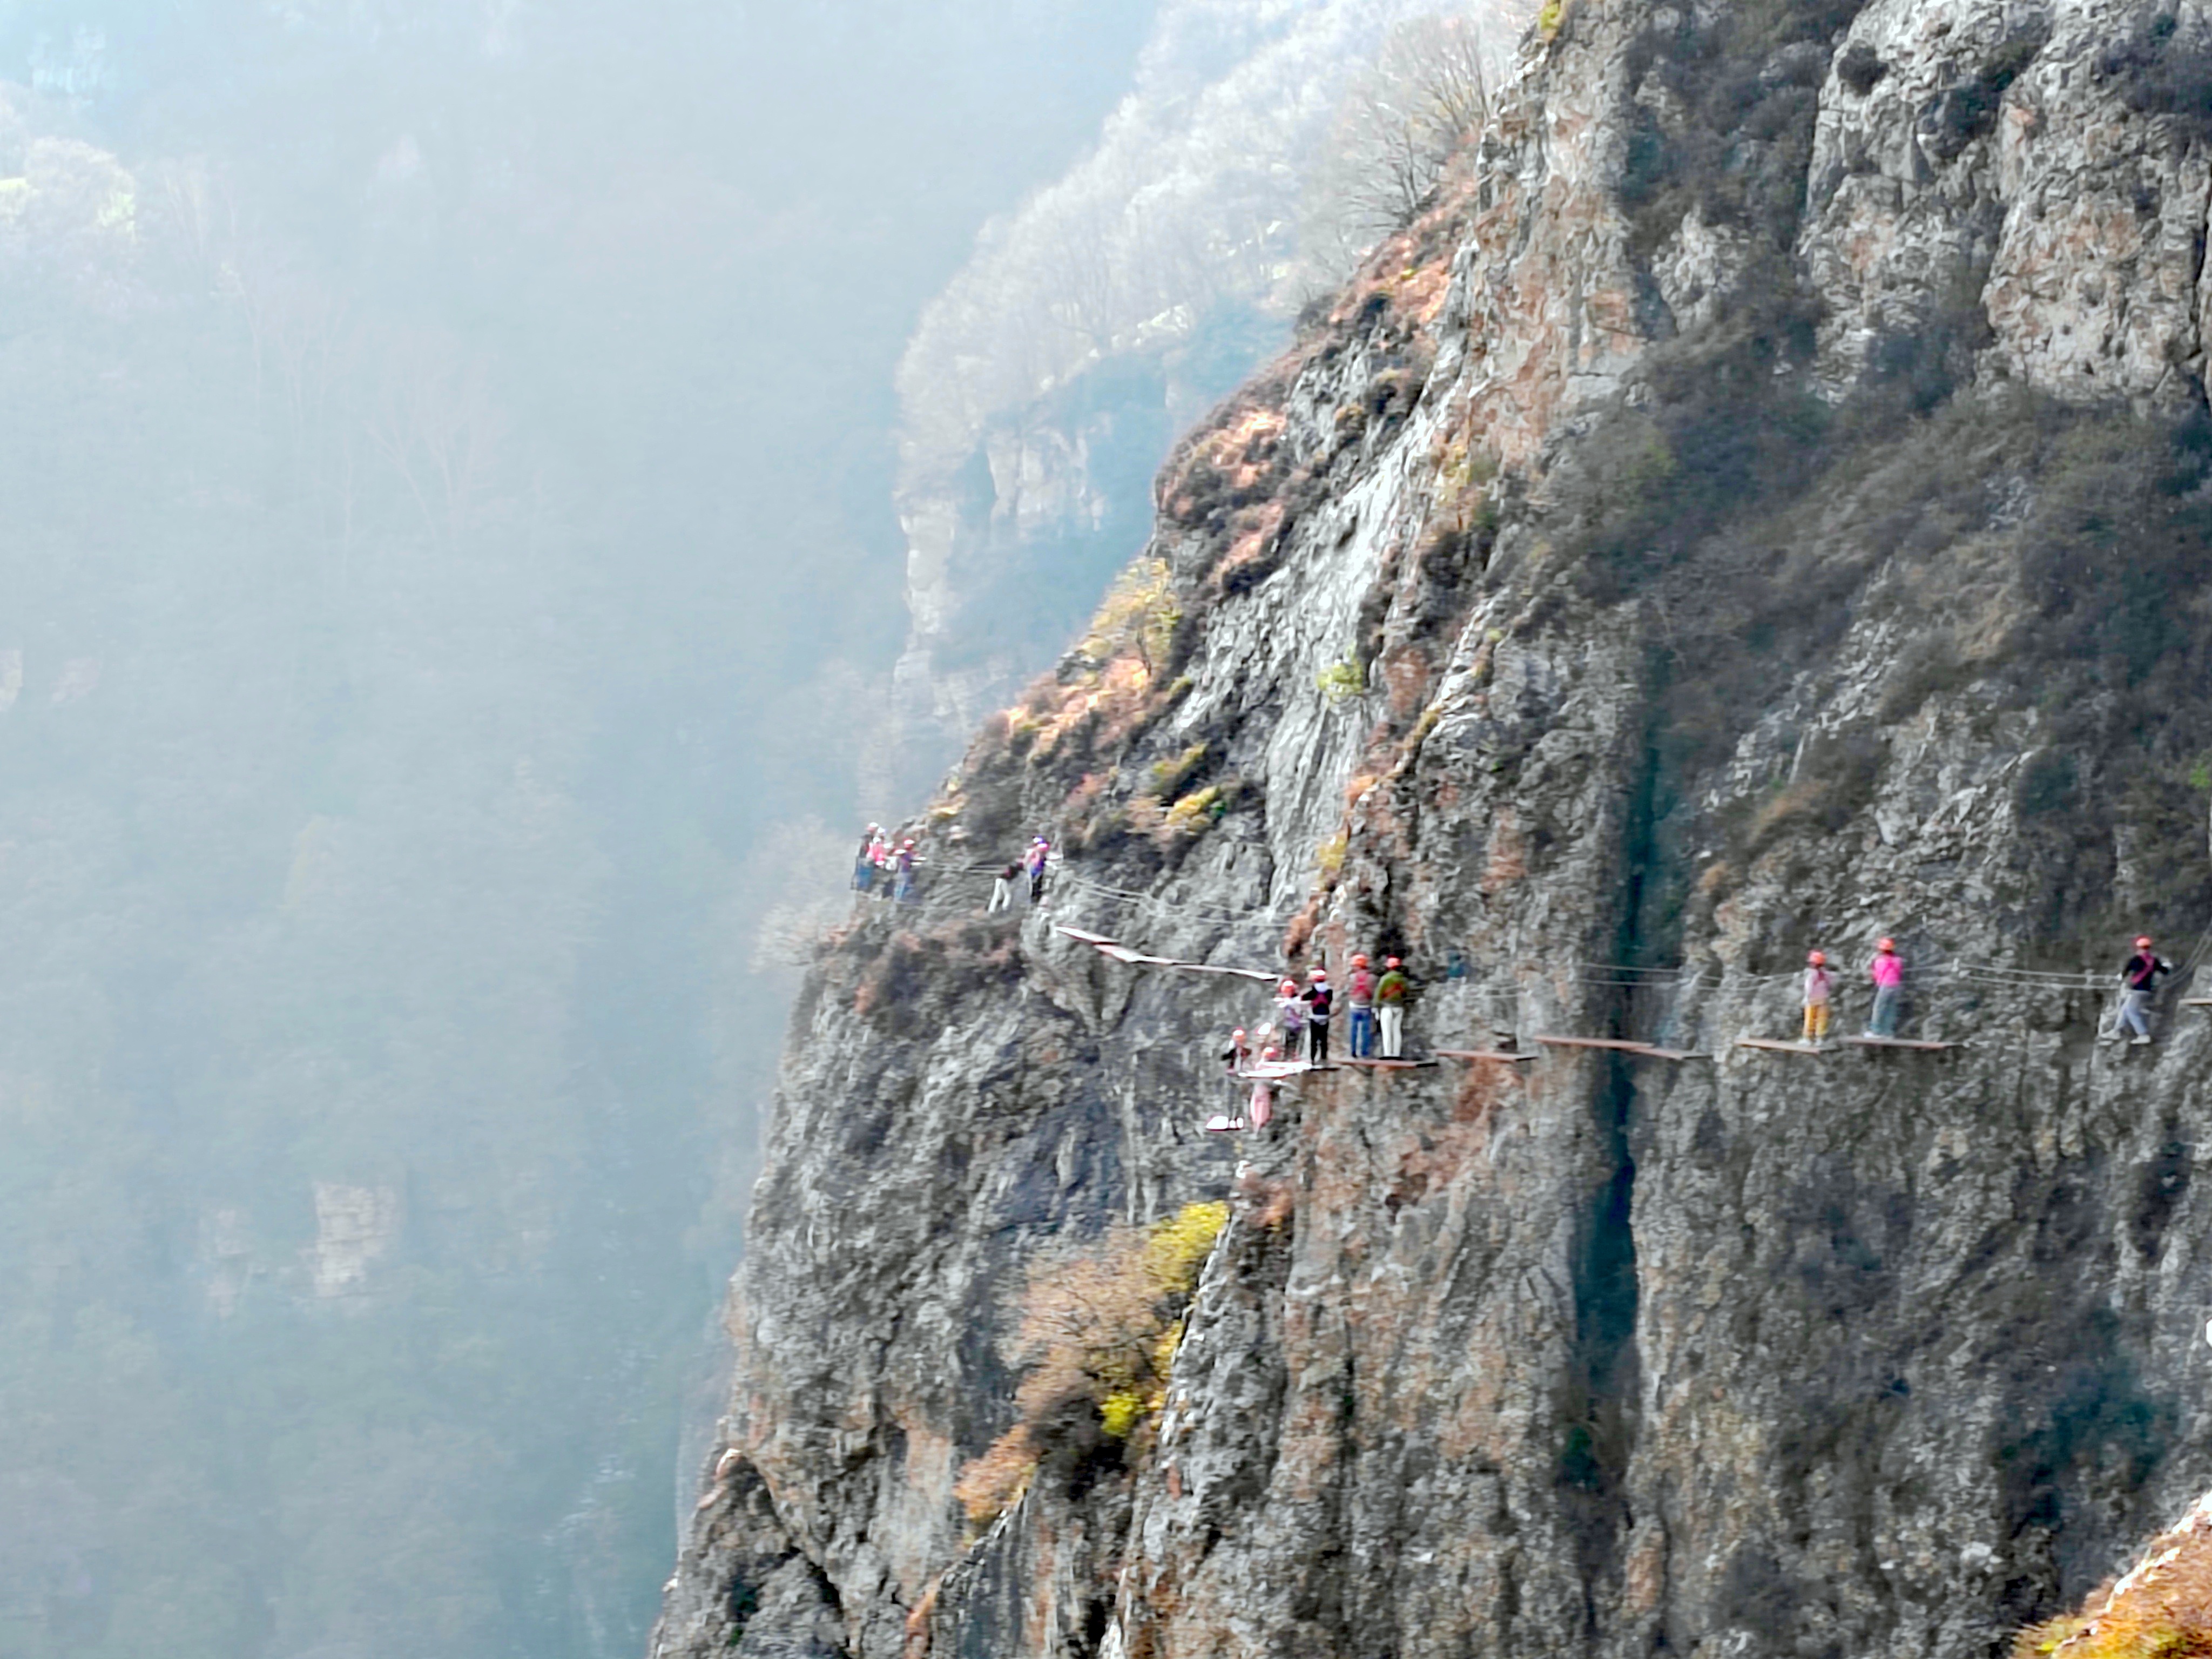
(444,528)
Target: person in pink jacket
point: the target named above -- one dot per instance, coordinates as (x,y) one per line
(1887,970)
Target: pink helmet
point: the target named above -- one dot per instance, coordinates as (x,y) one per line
(1318,973)
(1290,988)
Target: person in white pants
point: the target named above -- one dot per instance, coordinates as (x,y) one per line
(1390,1006)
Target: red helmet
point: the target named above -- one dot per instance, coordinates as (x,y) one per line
(1819,959)
(1885,945)
(1290,989)
(2143,944)
(909,843)
(1360,962)
(1318,973)
(1237,1035)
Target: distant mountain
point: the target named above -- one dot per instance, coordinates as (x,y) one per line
(1254,160)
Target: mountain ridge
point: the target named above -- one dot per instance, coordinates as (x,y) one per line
(1759,505)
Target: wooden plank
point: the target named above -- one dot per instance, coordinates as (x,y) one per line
(2196,1002)
(1900,1042)
(1387,1065)
(1239,973)
(1621,1045)
(1136,959)
(1775,1047)
(1078,933)
(1485,1053)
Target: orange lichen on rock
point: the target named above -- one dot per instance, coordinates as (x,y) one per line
(2162,1609)
(1242,450)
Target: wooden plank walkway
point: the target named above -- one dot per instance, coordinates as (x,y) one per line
(1130,958)
(1775,1047)
(1485,1053)
(1901,1042)
(2196,1002)
(1622,1045)
(1388,1065)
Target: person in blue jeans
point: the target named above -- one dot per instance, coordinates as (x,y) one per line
(2139,981)
(1359,998)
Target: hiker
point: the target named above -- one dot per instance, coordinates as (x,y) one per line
(903,861)
(1318,999)
(1390,992)
(1263,1090)
(1002,888)
(1887,970)
(2138,980)
(1290,1015)
(1359,997)
(1819,989)
(864,863)
(1040,850)
(1237,1060)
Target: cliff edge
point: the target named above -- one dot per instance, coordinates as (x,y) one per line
(1762,504)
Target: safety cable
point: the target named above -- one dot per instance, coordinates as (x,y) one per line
(1617,976)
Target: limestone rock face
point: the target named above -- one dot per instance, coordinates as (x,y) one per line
(1665,558)
(1994,157)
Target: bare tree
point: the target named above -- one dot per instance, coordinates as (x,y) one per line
(1426,98)
(438,426)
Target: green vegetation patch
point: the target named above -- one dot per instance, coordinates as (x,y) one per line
(1099,1330)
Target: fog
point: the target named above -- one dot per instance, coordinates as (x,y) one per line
(444,528)
(449,588)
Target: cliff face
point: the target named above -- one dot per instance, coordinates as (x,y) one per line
(1761,506)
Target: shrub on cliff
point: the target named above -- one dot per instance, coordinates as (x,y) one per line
(2164,71)
(1098,1336)
(2161,1610)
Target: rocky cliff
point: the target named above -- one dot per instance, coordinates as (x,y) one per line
(1762,504)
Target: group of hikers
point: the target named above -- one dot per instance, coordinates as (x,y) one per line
(1031,867)
(1375,1007)
(2139,979)
(885,868)
(1375,1003)
(1885,972)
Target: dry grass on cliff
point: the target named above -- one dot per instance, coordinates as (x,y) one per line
(2161,1610)
(1097,1338)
